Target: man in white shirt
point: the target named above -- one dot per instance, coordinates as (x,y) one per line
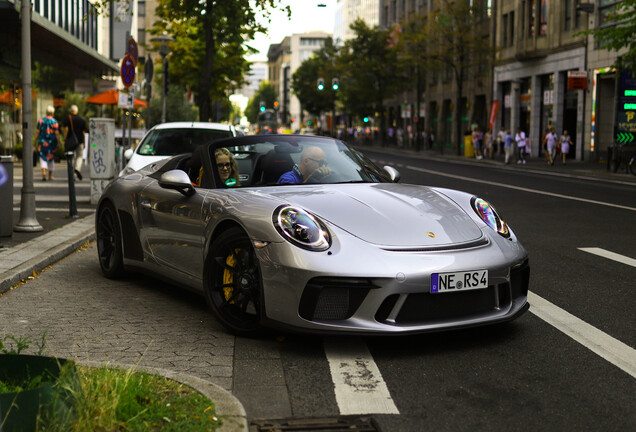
(520,138)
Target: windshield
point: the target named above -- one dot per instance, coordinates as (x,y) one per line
(292,159)
(170,142)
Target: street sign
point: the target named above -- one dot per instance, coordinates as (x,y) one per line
(624,137)
(127,70)
(577,80)
(626,127)
(132,49)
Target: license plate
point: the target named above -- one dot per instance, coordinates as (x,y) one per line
(459,281)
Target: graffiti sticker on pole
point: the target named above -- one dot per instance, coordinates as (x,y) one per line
(128,71)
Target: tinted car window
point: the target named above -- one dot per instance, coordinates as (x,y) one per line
(169,142)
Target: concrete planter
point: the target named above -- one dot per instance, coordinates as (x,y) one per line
(19,410)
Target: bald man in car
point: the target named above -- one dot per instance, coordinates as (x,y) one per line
(313,165)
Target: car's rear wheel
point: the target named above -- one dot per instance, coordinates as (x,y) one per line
(232,283)
(109,248)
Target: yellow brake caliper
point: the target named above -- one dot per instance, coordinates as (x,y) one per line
(228,277)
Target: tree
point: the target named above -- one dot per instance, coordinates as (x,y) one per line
(209,50)
(620,36)
(305,79)
(454,40)
(372,72)
(266,93)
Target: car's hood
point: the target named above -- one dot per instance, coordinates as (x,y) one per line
(386,214)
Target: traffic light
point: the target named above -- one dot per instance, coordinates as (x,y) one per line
(262,106)
(275,104)
(335,84)
(321,84)
(365,119)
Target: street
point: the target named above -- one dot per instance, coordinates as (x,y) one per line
(567,364)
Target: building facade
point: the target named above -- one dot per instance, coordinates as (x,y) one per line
(283,60)
(348,11)
(435,112)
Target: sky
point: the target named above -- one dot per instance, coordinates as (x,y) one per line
(306,16)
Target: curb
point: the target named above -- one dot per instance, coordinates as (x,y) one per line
(227,406)
(20,262)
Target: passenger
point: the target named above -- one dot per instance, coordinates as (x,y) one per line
(227,166)
(313,163)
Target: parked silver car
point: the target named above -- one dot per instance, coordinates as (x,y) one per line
(306,233)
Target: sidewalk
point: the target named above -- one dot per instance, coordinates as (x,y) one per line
(25,254)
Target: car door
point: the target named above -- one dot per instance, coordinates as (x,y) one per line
(172,228)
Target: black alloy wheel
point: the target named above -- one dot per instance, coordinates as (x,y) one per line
(109,247)
(232,283)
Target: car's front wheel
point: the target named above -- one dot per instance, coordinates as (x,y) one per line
(232,283)
(109,246)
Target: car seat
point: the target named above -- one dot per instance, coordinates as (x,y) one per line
(272,165)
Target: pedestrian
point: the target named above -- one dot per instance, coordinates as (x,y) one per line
(520,138)
(507,146)
(501,138)
(431,138)
(74,129)
(550,144)
(477,143)
(488,140)
(565,142)
(48,139)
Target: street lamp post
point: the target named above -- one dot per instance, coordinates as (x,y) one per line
(28,221)
(164,49)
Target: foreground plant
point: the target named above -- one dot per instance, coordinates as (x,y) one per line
(109,399)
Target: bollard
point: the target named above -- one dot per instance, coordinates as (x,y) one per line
(72,201)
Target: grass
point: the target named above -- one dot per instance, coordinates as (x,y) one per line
(106,399)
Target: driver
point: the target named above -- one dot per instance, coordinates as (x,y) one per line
(313,164)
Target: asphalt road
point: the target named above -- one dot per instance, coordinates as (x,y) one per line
(567,364)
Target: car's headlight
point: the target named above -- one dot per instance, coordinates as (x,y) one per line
(489,215)
(301,228)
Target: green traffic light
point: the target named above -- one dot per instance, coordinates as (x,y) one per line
(366,119)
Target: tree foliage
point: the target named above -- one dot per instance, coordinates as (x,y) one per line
(266,93)
(455,44)
(208,54)
(371,72)
(620,37)
(305,80)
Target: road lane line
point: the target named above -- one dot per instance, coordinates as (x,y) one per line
(610,255)
(611,349)
(474,180)
(358,383)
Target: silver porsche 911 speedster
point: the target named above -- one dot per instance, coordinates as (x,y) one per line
(306,233)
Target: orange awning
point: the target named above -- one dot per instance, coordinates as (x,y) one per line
(111,97)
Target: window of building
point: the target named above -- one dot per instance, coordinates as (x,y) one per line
(504,30)
(543,18)
(141,8)
(394,11)
(604,8)
(567,15)
(386,16)
(512,27)
(141,36)
(531,17)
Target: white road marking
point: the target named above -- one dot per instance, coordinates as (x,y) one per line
(611,349)
(474,180)
(610,255)
(358,383)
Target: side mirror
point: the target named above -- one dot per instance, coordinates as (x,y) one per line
(128,154)
(178,180)
(393,173)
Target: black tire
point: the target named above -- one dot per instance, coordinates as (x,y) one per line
(232,283)
(109,244)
